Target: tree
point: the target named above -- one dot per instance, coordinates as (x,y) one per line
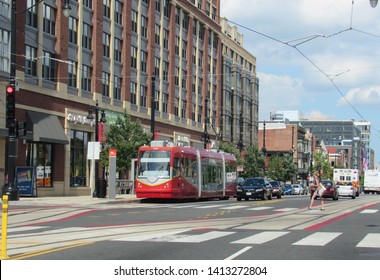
(254,162)
(322,161)
(282,168)
(230,148)
(125,137)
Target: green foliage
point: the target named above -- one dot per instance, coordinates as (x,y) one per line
(230,148)
(322,161)
(282,168)
(254,162)
(125,137)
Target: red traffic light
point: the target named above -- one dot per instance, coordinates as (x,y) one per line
(10,89)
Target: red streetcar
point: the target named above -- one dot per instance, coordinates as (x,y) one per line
(166,170)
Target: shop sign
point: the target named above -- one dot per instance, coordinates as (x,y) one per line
(81,119)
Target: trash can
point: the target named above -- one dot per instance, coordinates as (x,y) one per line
(13,193)
(102,188)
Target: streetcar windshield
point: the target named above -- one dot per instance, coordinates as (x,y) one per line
(154,163)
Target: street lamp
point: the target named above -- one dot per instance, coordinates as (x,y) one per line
(264,150)
(12,144)
(373,3)
(99,190)
(240,145)
(205,136)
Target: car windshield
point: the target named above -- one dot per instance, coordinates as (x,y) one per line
(254,182)
(327,183)
(274,184)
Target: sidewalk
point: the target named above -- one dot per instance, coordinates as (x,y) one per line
(75,200)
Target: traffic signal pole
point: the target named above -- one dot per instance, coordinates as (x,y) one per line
(11,111)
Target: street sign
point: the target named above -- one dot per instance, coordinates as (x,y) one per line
(93,150)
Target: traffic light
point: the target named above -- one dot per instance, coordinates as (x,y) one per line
(10,106)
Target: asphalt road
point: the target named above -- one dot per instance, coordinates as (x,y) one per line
(280,229)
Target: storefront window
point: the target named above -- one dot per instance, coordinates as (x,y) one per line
(40,156)
(78,156)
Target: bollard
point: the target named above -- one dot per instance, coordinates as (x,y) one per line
(4,227)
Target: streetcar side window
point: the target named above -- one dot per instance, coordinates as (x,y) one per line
(176,167)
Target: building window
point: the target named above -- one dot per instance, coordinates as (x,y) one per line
(177,15)
(105,84)
(166,8)
(40,156)
(143,96)
(157,34)
(87,3)
(86,77)
(49,20)
(144,61)
(107,8)
(31,13)
(166,39)
(133,57)
(117,83)
(176,76)
(184,79)
(72,74)
(157,67)
(165,70)
(118,50)
(118,12)
(134,21)
(144,26)
(183,109)
(5,50)
(165,100)
(133,90)
(73,30)
(106,44)
(87,36)
(193,112)
(78,157)
(176,106)
(30,60)
(184,49)
(48,66)
(158,5)
(176,45)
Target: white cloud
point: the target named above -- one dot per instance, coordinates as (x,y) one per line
(362,97)
(317,116)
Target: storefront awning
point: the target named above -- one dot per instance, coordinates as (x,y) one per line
(46,128)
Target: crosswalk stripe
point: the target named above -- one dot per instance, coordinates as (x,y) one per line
(152,236)
(371,240)
(318,239)
(197,238)
(207,206)
(285,209)
(261,237)
(369,211)
(233,207)
(25,228)
(260,208)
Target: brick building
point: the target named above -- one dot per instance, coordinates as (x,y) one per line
(107,53)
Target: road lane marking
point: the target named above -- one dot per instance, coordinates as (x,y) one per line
(318,239)
(260,208)
(150,236)
(197,238)
(285,209)
(369,211)
(261,237)
(242,251)
(371,240)
(233,207)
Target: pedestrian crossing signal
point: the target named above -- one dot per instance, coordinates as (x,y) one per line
(10,106)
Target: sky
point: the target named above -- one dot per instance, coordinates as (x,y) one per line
(320,57)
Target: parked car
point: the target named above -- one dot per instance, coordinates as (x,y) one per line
(330,192)
(239,181)
(297,189)
(305,189)
(289,190)
(346,190)
(254,188)
(276,188)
